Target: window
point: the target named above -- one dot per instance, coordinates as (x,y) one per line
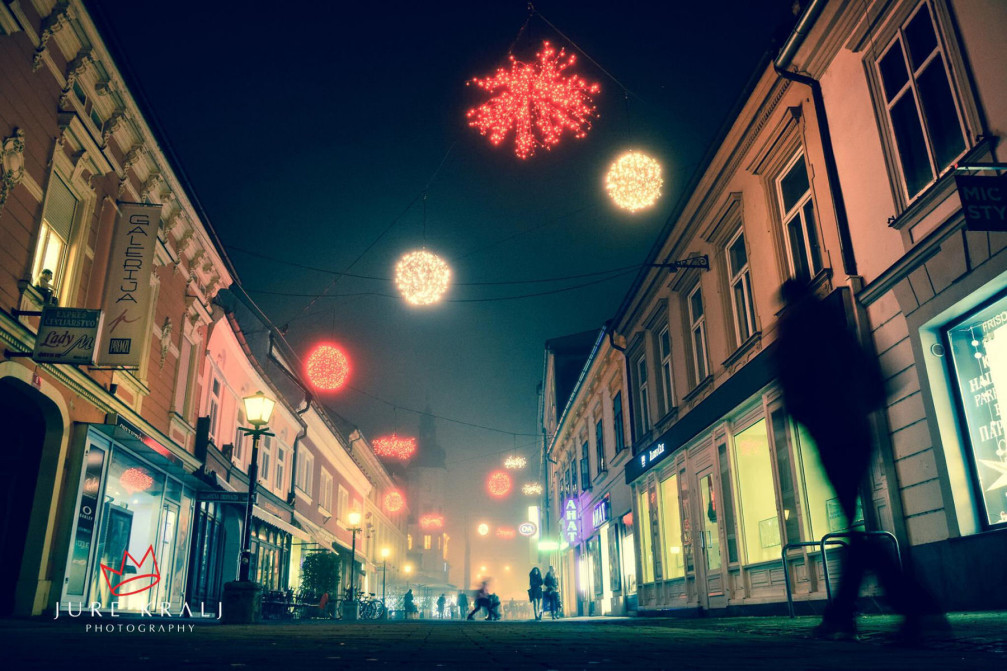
(214,407)
(305,471)
(617,424)
(675,559)
(265,464)
(759,522)
(585,468)
(573,476)
(924,118)
(642,397)
(426,541)
(799,230)
(238,435)
(727,504)
(697,327)
(409,541)
(343,506)
(788,495)
(182,378)
(741,288)
(281,466)
(58,215)
(667,389)
(325,498)
(599,445)
(646,544)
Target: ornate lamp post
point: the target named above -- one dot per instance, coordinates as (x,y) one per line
(354,519)
(384,568)
(258,410)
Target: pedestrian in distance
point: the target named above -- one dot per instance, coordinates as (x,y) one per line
(482,600)
(463,603)
(831,385)
(440,606)
(535,592)
(409,604)
(550,597)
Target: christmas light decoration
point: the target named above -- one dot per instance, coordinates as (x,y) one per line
(394,501)
(432,522)
(515,462)
(483,529)
(634,181)
(328,367)
(422,278)
(498,484)
(506,532)
(536,101)
(531,489)
(135,480)
(394,447)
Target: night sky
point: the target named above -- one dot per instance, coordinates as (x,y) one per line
(309,129)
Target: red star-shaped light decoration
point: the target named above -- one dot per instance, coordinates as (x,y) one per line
(537,101)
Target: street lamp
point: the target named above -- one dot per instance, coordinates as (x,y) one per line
(354,519)
(258,409)
(384,568)
(408,568)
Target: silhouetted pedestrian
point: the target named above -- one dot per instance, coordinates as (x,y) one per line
(535,592)
(440,606)
(409,604)
(482,600)
(550,597)
(831,385)
(463,604)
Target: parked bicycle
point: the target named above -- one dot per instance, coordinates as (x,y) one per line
(371,608)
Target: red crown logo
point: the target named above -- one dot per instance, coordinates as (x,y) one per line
(134,580)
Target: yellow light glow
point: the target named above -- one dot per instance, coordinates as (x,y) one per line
(353,518)
(482,568)
(483,529)
(515,462)
(634,181)
(385,552)
(422,278)
(408,568)
(506,568)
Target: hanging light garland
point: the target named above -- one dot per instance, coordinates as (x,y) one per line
(498,484)
(531,489)
(328,367)
(538,102)
(432,522)
(135,480)
(394,501)
(514,463)
(634,181)
(422,278)
(396,447)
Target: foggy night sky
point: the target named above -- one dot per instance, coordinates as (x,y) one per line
(305,134)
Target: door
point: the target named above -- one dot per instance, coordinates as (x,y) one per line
(166,551)
(710,564)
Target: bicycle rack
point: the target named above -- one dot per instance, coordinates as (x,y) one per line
(848,534)
(786,568)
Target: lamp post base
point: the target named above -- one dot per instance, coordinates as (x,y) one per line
(242,602)
(351,610)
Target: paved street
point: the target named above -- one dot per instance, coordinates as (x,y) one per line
(979,642)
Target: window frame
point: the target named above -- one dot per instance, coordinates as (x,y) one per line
(700,325)
(618,423)
(665,372)
(642,389)
(305,467)
(797,211)
(325,491)
(599,446)
(743,276)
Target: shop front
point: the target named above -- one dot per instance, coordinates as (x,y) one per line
(604,553)
(135,506)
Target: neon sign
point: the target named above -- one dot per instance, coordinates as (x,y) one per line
(571,525)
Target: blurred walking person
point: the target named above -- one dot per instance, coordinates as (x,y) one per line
(550,597)
(440,606)
(831,385)
(535,592)
(463,604)
(482,600)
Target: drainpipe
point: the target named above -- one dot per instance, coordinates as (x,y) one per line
(790,47)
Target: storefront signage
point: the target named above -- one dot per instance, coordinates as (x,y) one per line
(571,525)
(66,335)
(224,497)
(602,512)
(645,460)
(984,201)
(527,528)
(128,293)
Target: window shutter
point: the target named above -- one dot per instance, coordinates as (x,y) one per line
(60,207)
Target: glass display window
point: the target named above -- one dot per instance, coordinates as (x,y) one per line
(978,360)
(759,521)
(646,543)
(675,560)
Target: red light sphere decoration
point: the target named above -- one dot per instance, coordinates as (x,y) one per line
(432,522)
(394,447)
(135,480)
(537,101)
(328,367)
(394,501)
(498,484)
(506,533)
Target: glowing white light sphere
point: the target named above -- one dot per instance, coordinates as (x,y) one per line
(422,278)
(634,181)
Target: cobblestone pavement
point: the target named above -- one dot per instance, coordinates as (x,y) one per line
(979,641)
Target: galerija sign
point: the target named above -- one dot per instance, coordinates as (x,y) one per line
(128,293)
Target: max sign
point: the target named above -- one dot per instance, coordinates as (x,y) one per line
(128,292)
(984,202)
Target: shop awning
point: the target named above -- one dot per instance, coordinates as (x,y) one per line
(324,538)
(269,518)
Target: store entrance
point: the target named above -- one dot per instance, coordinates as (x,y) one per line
(24,422)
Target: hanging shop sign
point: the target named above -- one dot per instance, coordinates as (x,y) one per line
(984,201)
(527,528)
(66,335)
(225,497)
(128,293)
(602,512)
(571,524)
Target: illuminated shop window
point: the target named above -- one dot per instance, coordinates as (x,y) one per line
(675,560)
(760,525)
(646,544)
(978,347)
